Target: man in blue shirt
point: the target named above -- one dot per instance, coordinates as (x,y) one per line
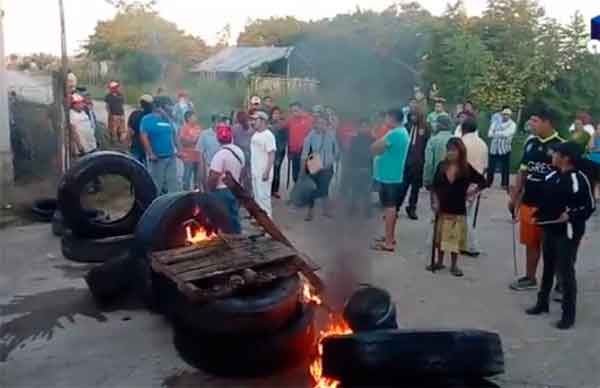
(160,144)
(390,157)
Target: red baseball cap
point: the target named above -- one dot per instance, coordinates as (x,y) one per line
(224,133)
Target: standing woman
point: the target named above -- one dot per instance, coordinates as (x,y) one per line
(242,135)
(319,154)
(281,141)
(451,186)
(190,155)
(594,156)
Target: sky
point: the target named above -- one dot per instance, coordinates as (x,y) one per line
(33,25)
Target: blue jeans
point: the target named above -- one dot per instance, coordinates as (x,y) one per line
(164,174)
(232,208)
(190,175)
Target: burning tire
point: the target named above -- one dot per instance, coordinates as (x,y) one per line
(370,308)
(96,250)
(111,280)
(259,312)
(397,355)
(43,209)
(161,227)
(87,170)
(250,355)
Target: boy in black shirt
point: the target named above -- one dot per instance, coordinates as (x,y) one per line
(566,204)
(536,165)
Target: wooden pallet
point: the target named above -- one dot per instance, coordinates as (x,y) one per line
(220,267)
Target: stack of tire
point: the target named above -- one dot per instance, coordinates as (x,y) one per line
(93,239)
(379,354)
(251,333)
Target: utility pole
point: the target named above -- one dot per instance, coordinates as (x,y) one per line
(65,134)
(6,155)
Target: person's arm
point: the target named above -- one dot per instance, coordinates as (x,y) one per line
(217,169)
(379,146)
(147,146)
(213,180)
(76,141)
(269,167)
(582,199)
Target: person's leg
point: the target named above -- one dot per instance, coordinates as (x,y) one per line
(277,172)
(491,169)
(325,178)
(454,265)
(311,201)
(567,254)
(531,237)
(390,226)
(440,259)
(473,248)
(295,160)
(187,175)
(171,182)
(550,257)
(262,194)
(413,200)
(155,168)
(505,168)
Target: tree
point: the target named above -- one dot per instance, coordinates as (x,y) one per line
(271,32)
(138,28)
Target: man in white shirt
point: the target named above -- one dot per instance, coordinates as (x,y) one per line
(477,156)
(83,138)
(230,158)
(501,133)
(262,158)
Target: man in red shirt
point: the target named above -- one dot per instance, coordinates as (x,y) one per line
(298,124)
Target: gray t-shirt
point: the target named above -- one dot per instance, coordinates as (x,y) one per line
(208,145)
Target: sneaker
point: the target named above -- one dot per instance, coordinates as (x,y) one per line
(411,213)
(523,284)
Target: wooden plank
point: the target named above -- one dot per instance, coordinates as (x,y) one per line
(247,261)
(223,259)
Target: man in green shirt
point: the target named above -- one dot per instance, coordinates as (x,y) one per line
(390,157)
(432,117)
(435,151)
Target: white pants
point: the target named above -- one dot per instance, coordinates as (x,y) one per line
(472,239)
(262,193)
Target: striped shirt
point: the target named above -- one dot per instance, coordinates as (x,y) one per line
(502,134)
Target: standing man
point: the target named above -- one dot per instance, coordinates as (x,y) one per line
(133,123)
(435,151)
(160,145)
(390,156)
(413,175)
(262,153)
(208,145)
(566,205)
(84,138)
(501,134)
(229,158)
(477,156)
(267,104)
(298,124)
(116,113)
(536,166)
(432,117)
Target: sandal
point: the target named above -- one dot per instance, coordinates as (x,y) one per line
(457,272)
(380,247)
(381,239)
(435,267)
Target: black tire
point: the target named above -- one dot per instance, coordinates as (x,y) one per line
(396,355)
(110,281)
(85,171)
(57,224)
(253,355)
(259,312)
(96,250)
(43,209)
(161,228)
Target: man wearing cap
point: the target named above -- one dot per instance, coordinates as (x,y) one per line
(435,150)
(566,204)
(159,139)
(262,155)
(501,133)
(133,123)
(83,139)
(229,159)
(116,113)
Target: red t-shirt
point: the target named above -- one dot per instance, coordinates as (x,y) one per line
(188,136)
(346,131)
(298,127)
(381,131)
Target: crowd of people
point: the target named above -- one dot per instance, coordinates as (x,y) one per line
(408,149)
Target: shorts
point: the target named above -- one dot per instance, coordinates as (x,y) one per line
(390,194)
(116,126)
(530,234)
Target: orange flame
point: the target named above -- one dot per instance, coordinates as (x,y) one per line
(309,295)
(336,326)
(197,236)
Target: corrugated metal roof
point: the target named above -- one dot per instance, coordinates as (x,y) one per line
(241,59)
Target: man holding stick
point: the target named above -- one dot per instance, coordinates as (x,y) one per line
(536,166)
